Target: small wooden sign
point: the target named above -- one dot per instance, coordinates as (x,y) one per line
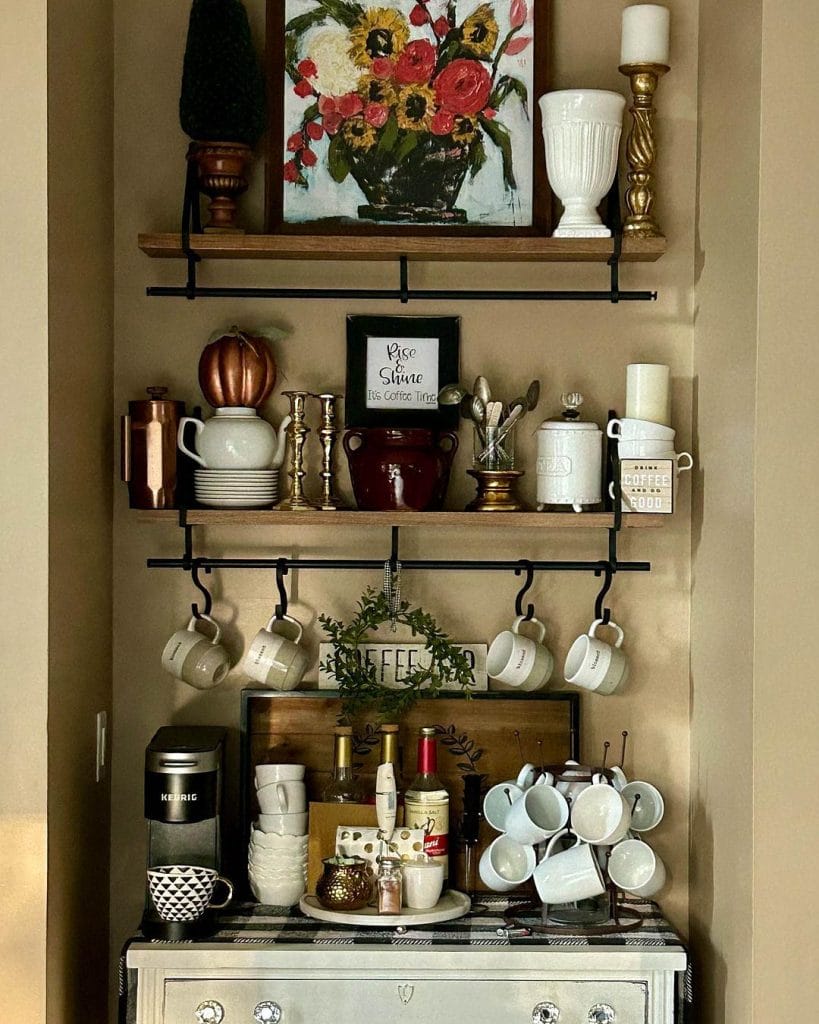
(393,661)
(647,485)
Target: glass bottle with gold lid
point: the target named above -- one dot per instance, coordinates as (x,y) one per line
(343,787)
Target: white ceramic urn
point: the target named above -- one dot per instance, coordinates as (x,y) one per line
(581,133)
(569,459)
(235,438)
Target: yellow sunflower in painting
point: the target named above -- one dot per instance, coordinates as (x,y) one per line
(357,133)
(376,90)
(479,33)
(416,105)
(465,130)
(379,32)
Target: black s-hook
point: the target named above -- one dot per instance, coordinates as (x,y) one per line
(604,614)
(281,572)
(203,590)
(530,576)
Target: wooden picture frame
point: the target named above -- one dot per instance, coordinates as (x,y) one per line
(393,384)
(481,139)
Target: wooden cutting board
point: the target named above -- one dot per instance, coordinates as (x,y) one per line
(475,734)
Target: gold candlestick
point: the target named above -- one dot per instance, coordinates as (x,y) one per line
(297,434)
(641,149)
(328,434)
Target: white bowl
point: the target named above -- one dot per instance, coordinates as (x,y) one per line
(278,894)
(276,840)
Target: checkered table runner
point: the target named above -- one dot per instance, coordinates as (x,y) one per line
(253,924)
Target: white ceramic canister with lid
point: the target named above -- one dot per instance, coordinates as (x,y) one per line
(569,459)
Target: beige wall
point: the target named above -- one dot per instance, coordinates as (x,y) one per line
(80,199)
(722,613)
(786,699)
(567,345)
(23,511)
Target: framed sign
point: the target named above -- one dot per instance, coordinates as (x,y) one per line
(394,116)
(393,661)
(396,365)
(647,485)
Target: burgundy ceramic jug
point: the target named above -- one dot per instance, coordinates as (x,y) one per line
(394,468)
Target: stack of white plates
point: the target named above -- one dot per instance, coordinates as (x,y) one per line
(236,488)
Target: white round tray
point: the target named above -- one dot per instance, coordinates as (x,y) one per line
(451,905)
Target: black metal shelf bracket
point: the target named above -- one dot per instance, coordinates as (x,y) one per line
(191,224)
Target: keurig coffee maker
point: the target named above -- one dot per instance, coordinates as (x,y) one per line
(183,795)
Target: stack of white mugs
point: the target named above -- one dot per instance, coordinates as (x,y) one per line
(277,854)
(585,830)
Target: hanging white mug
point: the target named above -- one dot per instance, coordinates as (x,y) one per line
(594,664)
(518,661)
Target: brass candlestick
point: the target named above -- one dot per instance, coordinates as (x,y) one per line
(641,149)
(297,433)
(328,434)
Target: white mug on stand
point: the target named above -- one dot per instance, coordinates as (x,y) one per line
(274,659)
(594,664)
(198,661)
(505,864)
(634,867)
(518,661)
(569,875)
(498,802)
(600,814)
(282,798)
(648,811)
(539,814)
(640,430)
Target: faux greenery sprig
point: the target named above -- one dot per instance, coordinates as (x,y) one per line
(357,681)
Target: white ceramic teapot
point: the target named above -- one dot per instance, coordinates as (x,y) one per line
(235,438)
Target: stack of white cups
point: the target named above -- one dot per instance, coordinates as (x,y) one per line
(277,854)
(574,820)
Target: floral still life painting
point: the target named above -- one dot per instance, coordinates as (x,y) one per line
(416,112)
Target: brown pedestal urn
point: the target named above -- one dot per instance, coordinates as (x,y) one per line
(395,468)
(222,176)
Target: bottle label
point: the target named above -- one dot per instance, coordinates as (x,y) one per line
(433,817)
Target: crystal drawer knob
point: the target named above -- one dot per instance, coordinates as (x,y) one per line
(268,1013)
(210,1012)
(545,1013)
(602,1013)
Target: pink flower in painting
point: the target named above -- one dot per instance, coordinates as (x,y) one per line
(314,130)
(332,122)
(303,88)
(463,87)
(419,15)
(295,142)
(307,69)
(350,105)
(308,158)
(382,67)
(442,123)
(327,105)
(489,113)
(518,45)
(291,171)
(376,114)
(518,13)
(440,27)
(417,63)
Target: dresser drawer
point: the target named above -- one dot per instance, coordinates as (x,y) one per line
(404,1001)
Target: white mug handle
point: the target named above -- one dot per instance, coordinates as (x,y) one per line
(685,455)
(613,624)
(545,779)
(541,629)
(180,438)
(526,775)
(206,618)
(599,780)
(281,793)
(554,839)
(287,618)
(610,431)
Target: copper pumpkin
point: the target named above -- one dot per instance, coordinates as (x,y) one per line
(237,369)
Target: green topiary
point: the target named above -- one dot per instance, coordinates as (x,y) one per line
(223,96)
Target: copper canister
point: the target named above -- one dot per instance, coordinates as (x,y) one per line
(150,460)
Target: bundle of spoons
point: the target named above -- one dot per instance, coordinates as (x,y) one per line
(492,420)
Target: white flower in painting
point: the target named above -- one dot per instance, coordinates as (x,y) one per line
(329,49)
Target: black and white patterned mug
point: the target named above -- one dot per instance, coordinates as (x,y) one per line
(183,892)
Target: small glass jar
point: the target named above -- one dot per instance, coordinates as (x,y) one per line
(494,449)
(389,885)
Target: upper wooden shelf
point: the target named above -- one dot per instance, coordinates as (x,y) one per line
(272,517)
(531,249)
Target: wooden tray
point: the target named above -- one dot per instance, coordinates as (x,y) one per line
(449,907)
(298,728)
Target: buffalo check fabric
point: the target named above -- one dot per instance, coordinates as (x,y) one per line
(486,925)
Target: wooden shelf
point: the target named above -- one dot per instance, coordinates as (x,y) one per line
(530,249)
(502,520)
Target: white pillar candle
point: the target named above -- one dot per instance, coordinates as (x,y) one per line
(647,393)
(645,34)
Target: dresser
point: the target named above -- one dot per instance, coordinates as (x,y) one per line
(265,965)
